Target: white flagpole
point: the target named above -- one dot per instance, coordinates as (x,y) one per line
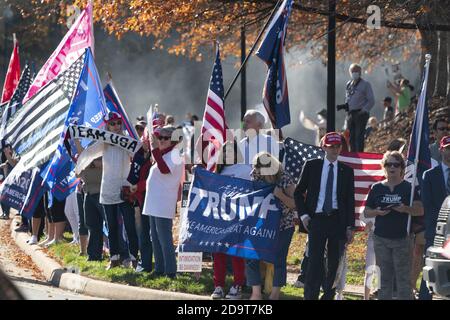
(421,108)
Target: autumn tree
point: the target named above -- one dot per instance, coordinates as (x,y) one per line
(186,27)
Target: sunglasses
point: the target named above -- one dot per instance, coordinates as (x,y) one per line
(113,123)
(160,138)
(443,129)
(392,164)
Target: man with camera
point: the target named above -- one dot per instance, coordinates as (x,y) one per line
(359,100)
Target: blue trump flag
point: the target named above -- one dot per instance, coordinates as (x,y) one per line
(113,103)
(418,152)
(87,108)
(271,51)
(231,215)
(419,156)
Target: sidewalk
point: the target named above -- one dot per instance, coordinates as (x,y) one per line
(63,278)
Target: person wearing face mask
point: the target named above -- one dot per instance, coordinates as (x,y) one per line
(359,99)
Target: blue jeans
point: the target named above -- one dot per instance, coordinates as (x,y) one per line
(280,273)
(94,216)
(424,293)
(162,242)
(112,212)
(145,243)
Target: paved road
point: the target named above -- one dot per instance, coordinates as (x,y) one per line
(24,273)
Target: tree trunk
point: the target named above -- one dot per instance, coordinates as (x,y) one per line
(429,44)
(442,77)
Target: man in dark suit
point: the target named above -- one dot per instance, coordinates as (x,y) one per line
(435,188)
(325,200)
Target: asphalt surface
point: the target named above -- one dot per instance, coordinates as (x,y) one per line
(25,274)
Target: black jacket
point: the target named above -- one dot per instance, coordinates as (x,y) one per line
(308,188)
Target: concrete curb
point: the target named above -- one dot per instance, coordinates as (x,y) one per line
(60,277)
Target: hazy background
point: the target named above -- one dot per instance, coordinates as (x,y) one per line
(144,76)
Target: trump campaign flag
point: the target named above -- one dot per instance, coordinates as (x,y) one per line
(231,215)
(87,108)
(271,51)
(12,75)
(72,46)
(113,104)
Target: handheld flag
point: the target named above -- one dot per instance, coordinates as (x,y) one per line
(271,51)
(34,133)
(87,109)
(13,73)
(419,157)
(113,104)
(16,101)
(72,46)
(213,133)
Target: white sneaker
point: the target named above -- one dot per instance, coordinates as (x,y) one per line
(218,293)
(340,295)
(235,293)
(299,284)
(50,243)
(33,240)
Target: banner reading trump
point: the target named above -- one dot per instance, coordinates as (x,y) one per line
(231,215)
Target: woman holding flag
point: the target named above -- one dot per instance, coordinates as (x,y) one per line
(268,169)
(116,167)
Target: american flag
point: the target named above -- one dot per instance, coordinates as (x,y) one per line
(213,126)
(366,167)
(16,101)
(35,129)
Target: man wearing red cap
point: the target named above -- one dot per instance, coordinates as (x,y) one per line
(435,188)
(325,200)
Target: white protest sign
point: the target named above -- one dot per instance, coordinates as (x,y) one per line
(126,143)
(189,262)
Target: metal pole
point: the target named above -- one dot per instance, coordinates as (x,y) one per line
(251,50)
(331,67)
(243,75)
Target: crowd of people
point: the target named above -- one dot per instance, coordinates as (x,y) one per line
(126,204)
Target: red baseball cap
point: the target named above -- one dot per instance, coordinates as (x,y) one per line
(445,142)
(332,138)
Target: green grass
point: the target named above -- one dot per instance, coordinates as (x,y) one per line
(68,256)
